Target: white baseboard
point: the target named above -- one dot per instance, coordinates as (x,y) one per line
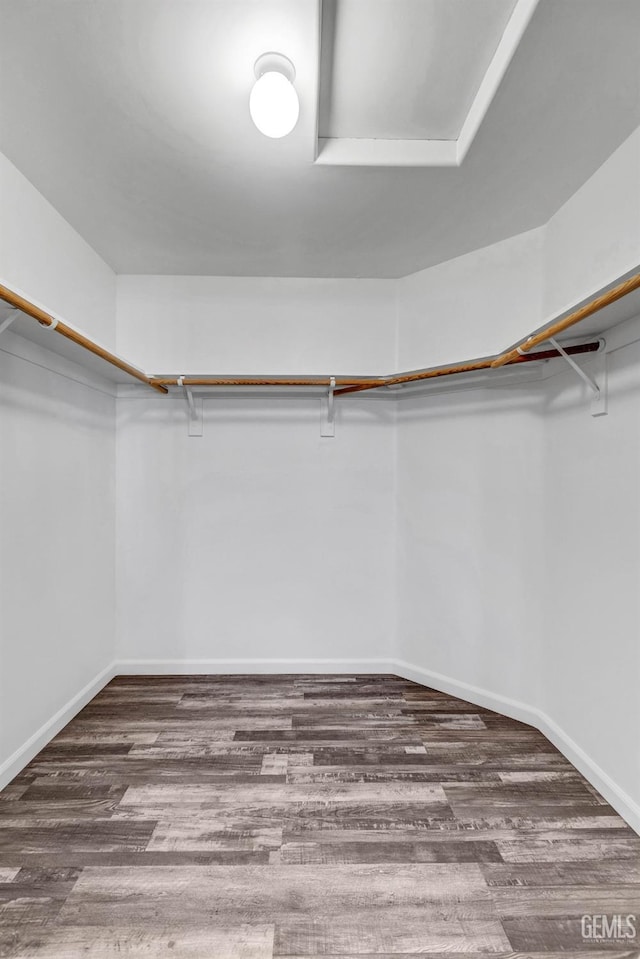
(227,667)
(617,797)
(473,694)
(22,756)
(620,800)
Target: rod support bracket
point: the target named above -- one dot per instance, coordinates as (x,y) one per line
(328,421)
(194,409)
(598,389)
(13,315)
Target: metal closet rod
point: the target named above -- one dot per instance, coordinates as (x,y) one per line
(345,384)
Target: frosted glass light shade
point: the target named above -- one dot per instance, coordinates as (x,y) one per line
(274,105)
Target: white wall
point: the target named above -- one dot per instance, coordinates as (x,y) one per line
(473,306)
(470,476)
(57,535)
(590,641)
(204,324)
(470,473)
(595,236)
(57,480)
(466,547)
(518,523)
(259,540)
(42,257)
(481,303)
(517,516)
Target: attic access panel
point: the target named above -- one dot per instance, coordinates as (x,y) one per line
(409,82)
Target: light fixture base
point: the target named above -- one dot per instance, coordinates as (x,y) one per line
(274,63)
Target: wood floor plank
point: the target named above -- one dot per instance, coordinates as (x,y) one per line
(252,817)
(554,933)
(251,893)
(610,872)
(249,941)
(259,791)
(344,851)
(576,848)
(406,934)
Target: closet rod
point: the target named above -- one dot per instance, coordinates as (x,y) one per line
(517,353)
(472,367)
(58,326)
(345,384)
(599,303)
(354,384)
(368,382)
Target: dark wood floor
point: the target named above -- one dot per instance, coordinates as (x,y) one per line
(246,817)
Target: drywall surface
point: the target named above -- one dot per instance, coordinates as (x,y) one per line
(57,535)
(590,521)
(475,305)
(43,258)
(260,540)
(518,558)
(468,514)
(481,303)
(595,236)
(257,325)
(518,519)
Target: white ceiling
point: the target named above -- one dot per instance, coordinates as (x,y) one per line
(131,117)
(405,70)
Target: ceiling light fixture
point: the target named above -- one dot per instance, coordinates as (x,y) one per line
(273,104)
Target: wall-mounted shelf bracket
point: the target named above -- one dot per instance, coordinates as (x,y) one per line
(194,409)
(327,421)
(599,387)
(9,320)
